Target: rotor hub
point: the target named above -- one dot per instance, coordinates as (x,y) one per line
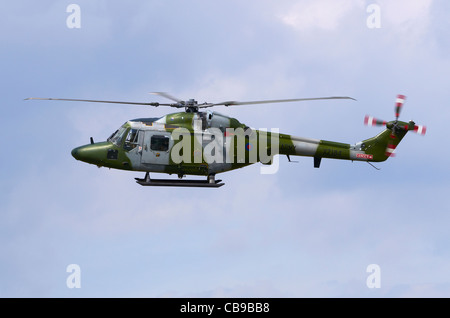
(191,106)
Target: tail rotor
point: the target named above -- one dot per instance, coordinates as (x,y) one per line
(398,128)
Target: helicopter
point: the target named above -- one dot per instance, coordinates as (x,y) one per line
(201,142)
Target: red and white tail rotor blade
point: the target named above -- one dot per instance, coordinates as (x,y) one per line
(420,129)
(398,105)
(371,121)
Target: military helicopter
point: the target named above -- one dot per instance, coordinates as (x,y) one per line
(204,143)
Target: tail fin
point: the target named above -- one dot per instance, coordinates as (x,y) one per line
(383,145)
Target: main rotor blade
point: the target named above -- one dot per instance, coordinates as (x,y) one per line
(100,101)
(181,103)
(234,103)
(166,95)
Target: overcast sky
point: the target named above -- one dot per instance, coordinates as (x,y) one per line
(302,232)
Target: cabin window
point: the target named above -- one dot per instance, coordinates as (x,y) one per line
(159,143)
(132,140)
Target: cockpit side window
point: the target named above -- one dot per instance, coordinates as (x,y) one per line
(112,135)
(132,140)
(117,137)
(159,143)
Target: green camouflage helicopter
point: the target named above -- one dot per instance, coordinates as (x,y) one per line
(203,143)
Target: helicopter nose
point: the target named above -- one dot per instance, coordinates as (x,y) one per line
(82,153)
(92,153)
(75,153)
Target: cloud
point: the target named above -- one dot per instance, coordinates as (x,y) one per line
(408,22)
(44,25)
(404,13)
(325,15)
(301,232)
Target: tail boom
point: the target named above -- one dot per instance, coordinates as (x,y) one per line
(373,149)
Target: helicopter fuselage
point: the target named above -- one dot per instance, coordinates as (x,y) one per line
(207,143)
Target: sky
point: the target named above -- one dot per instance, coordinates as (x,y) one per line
(301,232)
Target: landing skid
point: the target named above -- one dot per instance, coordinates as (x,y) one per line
(209,183)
